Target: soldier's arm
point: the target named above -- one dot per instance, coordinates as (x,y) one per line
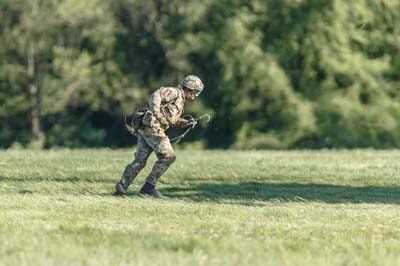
(182,122)
(159,97)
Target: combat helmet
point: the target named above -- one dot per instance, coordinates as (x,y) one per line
(193,83)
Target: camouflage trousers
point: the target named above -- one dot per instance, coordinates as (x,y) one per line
(150,139)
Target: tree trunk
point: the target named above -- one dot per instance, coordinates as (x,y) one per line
(37,134)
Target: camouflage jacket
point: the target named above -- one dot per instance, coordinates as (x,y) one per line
(167,104)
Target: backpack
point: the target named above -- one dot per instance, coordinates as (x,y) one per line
(136,122)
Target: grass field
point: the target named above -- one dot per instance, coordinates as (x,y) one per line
(219,208)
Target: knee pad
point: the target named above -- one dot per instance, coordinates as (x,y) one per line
(172,158)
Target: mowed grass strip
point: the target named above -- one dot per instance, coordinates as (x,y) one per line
(219,208)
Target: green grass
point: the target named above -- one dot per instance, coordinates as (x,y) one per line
(220,208)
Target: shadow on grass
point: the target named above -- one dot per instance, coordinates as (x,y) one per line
(248,192)
(71,179)
(286,192)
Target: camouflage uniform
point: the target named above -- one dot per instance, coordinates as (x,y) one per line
(165,109)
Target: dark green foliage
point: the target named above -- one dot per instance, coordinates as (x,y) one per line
(278,74)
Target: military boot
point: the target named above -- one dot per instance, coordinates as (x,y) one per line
(119,189)
(149,190)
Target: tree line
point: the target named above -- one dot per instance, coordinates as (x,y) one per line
(277,74)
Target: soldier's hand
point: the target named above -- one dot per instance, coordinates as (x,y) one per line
(191,123)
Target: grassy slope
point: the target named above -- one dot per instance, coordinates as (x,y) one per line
(221,208)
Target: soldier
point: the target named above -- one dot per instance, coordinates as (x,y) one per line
(165,107)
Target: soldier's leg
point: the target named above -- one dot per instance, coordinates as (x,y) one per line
(143,152)
(166,156)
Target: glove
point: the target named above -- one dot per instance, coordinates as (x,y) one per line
(191,123)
